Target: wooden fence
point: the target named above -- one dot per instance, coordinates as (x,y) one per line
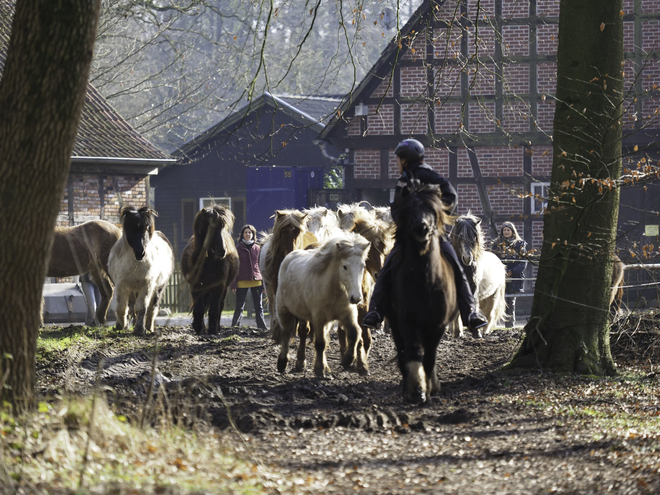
(178,300)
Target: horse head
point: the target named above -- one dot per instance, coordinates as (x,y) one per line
(352,252)
(208,227)
(138,228)
(420,214)
(288,228)
(467,238)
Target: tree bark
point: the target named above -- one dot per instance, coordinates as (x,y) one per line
(569,326)
(41,98)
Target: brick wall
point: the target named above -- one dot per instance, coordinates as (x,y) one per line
(87,201)
(548,8)
(468,199)
(651,30)
(383,90)
(482,117)
(647,5)
(448,118)
(413,81)
(498,161)
(482,79)
(414,118)
(417,48)
(481,41)
(367,164)
(353,128)
(447,81)
(546,39)
(382,122)
(447,42)
(438,160)
(515,9)
(516,79)
(542,160)
(505,200)
(515,40)
(516,116)
(546,78)
(628,36)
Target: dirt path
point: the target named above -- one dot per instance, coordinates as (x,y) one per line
(487,431)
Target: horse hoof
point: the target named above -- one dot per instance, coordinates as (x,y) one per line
(363,371)
(300,367)
(281,365)
(139,333)
(417,397)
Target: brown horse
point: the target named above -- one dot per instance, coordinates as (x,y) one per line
(83,249)
(288,234)
(421,289)
(209,263)
(381,238)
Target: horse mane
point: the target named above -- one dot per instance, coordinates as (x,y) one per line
(349,213)
(467,227)
(377,232)
(225,222)
(284,219)
(336,249)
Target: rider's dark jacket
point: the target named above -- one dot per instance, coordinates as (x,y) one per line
(426,175)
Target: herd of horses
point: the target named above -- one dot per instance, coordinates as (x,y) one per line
(319,267)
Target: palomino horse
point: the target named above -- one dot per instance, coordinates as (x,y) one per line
(616,294)
(321,286)
(83,249)
(381,238)
(288,235)
(140,264)
(209,263)
(421,292)
(484,270)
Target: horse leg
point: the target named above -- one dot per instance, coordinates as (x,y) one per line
(216,300)
(487,308)
(354,338)
(321,368)
(288,325)
(152,309)
(104,285)
(122,309)
(415,385)
(432,382)
(366,335)
(457,327)
(303,332)
(90,298)
(199,306)
(141,302)
(341,336)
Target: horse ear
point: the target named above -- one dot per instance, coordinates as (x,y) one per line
(279,214)
(478,221)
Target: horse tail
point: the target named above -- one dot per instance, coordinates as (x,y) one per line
(499,308)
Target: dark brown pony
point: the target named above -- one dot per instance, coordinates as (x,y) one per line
(422,292)
(381,238)
(85,249)
(209,263)
(288,234)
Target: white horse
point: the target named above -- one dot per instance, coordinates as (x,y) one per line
(140,265)
(484,270)
(322,222)
(321,286)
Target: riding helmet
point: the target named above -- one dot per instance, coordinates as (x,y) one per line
(410,150)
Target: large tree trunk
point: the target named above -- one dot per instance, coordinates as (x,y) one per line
(41,98)
(569,327)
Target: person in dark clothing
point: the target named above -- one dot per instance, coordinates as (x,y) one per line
(511,249)
(249,277)
(410,158)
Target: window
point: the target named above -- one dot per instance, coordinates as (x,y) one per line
(539,199)
(204,202)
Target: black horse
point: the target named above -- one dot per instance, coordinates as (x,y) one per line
(209,263)
(422,292)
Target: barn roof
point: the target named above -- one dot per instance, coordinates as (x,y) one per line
(308,111)
(103,135)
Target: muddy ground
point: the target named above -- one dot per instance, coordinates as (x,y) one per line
(486,432)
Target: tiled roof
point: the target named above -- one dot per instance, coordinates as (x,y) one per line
(102,132)
(320,108)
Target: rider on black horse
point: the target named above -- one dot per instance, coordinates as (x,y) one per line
(410,159)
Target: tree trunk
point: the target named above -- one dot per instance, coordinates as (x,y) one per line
(41,98)
(569,326)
